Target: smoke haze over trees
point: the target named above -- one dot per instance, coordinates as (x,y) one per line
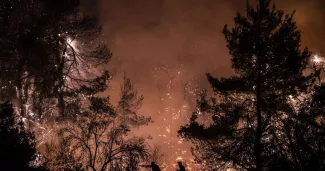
(70,112)
(164,31)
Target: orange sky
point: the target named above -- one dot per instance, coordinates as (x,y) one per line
(146,34)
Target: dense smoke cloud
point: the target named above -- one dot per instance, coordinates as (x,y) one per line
(146,34)
(143,34)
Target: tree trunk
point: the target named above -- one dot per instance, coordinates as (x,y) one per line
(60,77)
(61,104)
(259,131)
(258,134)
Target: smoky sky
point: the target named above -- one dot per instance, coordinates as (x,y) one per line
(147,34)
(144,34)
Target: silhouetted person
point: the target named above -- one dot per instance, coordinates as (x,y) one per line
(153,166)
(181,167)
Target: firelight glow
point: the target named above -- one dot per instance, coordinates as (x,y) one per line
(316,59)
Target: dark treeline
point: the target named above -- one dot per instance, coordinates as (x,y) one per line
(270,115)
(17,145)
(53,62)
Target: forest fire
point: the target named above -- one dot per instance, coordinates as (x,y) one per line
(64,104)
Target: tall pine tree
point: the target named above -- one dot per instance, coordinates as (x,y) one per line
(248,108)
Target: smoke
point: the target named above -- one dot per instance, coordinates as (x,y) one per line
(310,16)
(147,34)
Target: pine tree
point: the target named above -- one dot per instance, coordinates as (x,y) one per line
(248,108)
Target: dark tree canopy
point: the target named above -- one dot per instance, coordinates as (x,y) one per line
(249,109)
(50,53)
(17,146)
(305,132)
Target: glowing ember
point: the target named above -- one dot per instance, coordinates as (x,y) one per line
(316,59)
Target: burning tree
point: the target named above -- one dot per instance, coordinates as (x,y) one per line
(100,138)
(249,109)
(81,56)
(51,53)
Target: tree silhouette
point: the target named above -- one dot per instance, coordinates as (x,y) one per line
(100,138)
(304,133)
(80,53)
(249,108)
(50,53)
(18,43)
(17,146)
